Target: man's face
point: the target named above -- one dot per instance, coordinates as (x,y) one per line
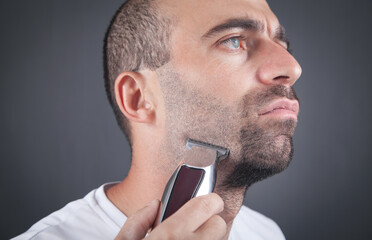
(229,83)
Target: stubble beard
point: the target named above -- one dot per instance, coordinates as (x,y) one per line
(266,146)
(259,148)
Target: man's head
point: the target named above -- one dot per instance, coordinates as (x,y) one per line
(227,80)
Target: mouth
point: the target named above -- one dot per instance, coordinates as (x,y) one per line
(282,108)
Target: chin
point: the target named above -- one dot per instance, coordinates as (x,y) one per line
(262,155)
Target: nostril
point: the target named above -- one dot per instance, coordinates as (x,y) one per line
(281,77)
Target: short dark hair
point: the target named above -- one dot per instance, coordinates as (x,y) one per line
(137,38)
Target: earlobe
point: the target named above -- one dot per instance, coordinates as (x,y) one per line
(131,99)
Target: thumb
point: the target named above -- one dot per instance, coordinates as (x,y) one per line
(138,224)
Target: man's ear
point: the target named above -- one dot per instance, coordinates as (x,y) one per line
(131,98)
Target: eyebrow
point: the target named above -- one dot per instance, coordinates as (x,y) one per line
(248,25)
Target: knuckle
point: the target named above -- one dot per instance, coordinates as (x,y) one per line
(206,205)
(219,222)
(219,225)
(172,234)
(169,229)
(217,201)
(211,203)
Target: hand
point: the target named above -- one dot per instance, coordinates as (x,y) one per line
(197,219)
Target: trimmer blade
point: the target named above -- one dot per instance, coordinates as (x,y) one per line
(222,152)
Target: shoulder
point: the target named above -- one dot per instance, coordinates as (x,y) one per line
(77,220)
(255,225)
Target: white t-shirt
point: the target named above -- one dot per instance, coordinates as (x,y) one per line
(95,217)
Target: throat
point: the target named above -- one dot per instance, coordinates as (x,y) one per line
(233,201)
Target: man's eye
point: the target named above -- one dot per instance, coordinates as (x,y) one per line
(233,43)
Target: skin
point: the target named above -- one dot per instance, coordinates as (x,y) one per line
(219,77)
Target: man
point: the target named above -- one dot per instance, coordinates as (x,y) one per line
(213,70)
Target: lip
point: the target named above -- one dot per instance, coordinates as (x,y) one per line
(282,108)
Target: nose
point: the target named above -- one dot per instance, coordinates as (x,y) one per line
(277,66)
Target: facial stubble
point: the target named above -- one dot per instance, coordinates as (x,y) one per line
(266,146)
(259,147)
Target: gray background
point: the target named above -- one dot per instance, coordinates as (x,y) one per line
(59,139)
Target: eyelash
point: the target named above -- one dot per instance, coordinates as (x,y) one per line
(244,39)
(289,50)
(239,37)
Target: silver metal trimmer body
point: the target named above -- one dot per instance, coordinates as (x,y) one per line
(191,180)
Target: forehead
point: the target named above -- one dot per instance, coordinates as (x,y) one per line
(196,17)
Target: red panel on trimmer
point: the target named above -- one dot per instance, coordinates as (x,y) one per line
(187,182)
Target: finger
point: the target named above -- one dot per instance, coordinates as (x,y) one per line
(195,212)
(214,228)
(138,224)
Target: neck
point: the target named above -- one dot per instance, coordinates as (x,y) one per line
(140,187)
(146,182)
(233,200)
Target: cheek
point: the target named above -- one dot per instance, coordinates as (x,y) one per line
(227,80)
(225,77)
